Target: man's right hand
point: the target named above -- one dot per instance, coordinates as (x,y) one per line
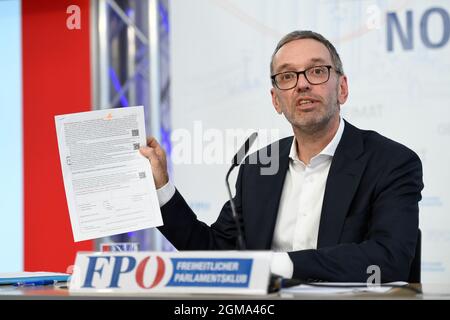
(157,157)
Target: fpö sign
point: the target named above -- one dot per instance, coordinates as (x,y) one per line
(224,272)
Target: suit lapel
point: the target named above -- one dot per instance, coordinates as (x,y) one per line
(342,182)
(269,197)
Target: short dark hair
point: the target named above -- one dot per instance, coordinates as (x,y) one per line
(306,34)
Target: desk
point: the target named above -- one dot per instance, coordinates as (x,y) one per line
(60,292)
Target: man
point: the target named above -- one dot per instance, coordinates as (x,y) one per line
(343,199)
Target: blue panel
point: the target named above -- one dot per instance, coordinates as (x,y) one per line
(11,203)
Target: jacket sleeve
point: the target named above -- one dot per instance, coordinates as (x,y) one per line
(183,229)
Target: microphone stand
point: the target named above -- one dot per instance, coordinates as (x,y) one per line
(237,159)
(240,238)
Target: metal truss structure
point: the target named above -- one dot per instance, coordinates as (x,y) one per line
(130,66)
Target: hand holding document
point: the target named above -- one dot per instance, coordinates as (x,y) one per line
(109,184)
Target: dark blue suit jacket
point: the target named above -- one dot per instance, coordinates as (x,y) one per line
(369,216)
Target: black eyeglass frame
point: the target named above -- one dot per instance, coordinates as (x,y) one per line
(298,73)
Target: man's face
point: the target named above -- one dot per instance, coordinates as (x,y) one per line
(324,99)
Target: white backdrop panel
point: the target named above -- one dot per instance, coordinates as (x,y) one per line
(220,69)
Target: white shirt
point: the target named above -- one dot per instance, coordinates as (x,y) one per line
(298,219)
(297,225)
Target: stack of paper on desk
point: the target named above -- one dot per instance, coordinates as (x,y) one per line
(16,277)
(340,288)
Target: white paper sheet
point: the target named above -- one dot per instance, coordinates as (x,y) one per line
(109,184)
(323,288)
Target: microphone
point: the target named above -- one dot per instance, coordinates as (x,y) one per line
(236,161)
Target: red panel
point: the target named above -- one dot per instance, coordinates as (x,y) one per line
(56,80)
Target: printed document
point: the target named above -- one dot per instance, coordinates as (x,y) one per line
(109,184)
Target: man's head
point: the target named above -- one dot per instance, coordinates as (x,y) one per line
(313,102)
(297,35)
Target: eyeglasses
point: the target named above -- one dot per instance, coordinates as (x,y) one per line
(314,75)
